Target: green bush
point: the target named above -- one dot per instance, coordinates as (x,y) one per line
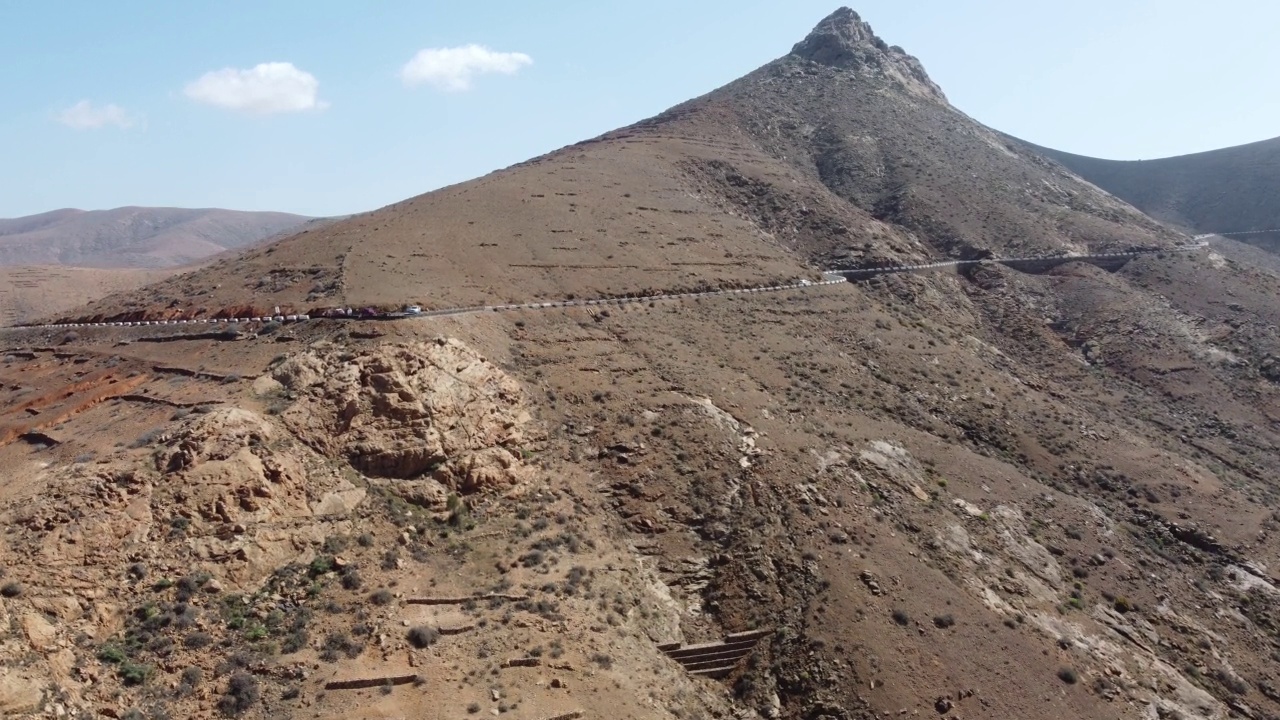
(459,513)
(113,654)
(133,673)
(321,565)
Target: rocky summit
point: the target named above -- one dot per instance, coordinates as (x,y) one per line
(640,455)
(844,41)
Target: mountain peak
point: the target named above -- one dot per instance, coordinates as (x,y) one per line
(845,41)
(839,40)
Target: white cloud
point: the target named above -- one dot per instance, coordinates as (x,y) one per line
(84,115)
(452,69)
(276,87)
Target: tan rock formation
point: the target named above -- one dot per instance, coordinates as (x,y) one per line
(232,474)
(411,410)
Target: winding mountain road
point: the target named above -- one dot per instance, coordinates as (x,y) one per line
(830,277)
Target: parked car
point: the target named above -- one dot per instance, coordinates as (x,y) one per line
(412,310)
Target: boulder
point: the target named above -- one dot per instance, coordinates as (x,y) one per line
(429,494)
(339,502)
(42,635)
(18,694)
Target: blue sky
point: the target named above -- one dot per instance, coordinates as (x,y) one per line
(104,104)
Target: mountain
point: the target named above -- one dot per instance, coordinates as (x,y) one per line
(134,237)
(842,151)
(1231,190)
(999,491)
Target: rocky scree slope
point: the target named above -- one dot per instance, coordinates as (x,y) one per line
(863,121)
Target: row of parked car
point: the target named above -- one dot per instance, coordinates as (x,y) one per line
(366,312)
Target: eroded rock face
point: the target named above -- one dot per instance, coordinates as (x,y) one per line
(227,494)
(409,410)
(231,473)
(232,483)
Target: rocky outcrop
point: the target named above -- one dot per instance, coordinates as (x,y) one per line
(227,487)
(411,410)
(1270,368)
(844,41)
(224,495)
(233,471)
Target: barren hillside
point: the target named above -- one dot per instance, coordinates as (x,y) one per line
(1229,190)
(31,292)
(134,237)
(976,494)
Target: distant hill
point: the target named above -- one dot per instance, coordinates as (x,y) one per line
(1229,190)
(134,237)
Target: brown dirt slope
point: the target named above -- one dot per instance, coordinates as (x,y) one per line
(134,237)
(985,494)
(1228,190)
(30,292)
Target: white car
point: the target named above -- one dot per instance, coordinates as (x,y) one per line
(412,310)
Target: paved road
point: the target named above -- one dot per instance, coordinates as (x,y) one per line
(1104,257)
(1239,232)
(830,277)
